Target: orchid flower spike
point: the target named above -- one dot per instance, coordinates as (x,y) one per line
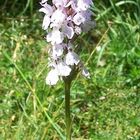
(63,20)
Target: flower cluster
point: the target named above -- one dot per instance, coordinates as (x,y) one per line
(63,20)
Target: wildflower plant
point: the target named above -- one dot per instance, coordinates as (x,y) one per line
(64,21)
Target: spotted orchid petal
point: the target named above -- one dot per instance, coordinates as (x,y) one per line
(78,19)
(52,77)
(46,22)
(55,37)
(58,17)
(63,69)
(85,73)
(72,58)
(57,50)
(84,4)
(68,31)
(43,1)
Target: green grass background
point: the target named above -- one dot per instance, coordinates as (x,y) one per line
(105,107)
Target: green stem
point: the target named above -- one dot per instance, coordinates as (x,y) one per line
(67,110)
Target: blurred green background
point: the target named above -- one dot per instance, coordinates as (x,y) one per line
(105,107)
